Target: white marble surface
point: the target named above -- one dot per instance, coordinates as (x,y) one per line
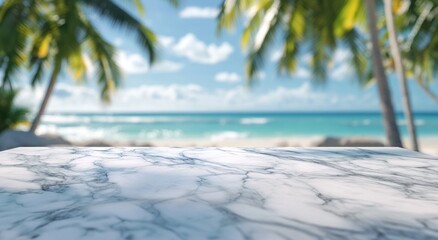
(217,193)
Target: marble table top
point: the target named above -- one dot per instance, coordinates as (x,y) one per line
(218,193)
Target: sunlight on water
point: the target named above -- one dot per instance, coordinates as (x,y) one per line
(220,126)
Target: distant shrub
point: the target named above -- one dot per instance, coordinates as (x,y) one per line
(10,115)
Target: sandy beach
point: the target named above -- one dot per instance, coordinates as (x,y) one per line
(428,145)
(12,139)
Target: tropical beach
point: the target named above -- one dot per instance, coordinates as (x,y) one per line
(231,129)
(219,74)
(218,119)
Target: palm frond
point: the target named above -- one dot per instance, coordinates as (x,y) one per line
(229,11)
(14,29)
(263,38)
(102,54)
(356,43)
(10,114)
(294,33)
(119,17)
(38,72)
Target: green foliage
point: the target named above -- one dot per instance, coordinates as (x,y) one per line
(420,48)
(417,26)
(310,27)
(46,33)
(15,27)
(10,115)
(70,37)
(319,27)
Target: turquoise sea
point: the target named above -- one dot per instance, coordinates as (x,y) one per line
(222,126)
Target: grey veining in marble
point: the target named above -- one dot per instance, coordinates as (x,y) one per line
(218,193)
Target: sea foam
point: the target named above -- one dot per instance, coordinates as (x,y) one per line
(228,135)
(69,119)
(254,121)
(77,133)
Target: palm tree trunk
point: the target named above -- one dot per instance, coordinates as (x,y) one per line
(392,133)
(400,69)
(47,95)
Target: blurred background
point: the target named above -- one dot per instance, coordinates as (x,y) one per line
(243,73)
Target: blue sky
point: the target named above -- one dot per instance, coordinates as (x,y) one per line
(201,71)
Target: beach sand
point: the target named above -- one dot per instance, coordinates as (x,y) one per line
(12,139)
(429,145)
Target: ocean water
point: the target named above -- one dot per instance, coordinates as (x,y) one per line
(223,126)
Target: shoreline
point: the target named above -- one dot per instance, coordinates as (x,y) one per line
(428,145)
(13,138)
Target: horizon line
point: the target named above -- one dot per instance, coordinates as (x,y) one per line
(233,112)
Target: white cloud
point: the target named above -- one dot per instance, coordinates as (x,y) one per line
(65,96)
(64,90)
(342,72)
(195,97)
(166,66)
(189,97)
(30,97)
(136,64)
(199,12)
(173,92)
(166,41)
(197,51)
(228,77)
(283,95)
(132,63)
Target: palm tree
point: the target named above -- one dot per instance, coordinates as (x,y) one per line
(400,69)
(420,46)
(15,27)
(417,44)
(380,76)
(317,27)
(10,115)
(66,33)
(60,33)
(304,26)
